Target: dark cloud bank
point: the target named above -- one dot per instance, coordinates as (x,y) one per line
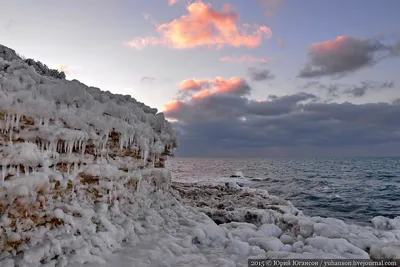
(292,125)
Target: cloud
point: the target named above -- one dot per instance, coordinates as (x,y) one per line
(233,125)
(270,6)
(193,85)
(206,91)
(147,79)
(244,58)
(172,2)
(257,74)
(204,26)
(355,90)
(361,90)
(201,89)
(280,42)
(344,54)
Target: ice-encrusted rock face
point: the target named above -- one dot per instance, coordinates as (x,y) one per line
(72,159)
(44,70)
(10,55)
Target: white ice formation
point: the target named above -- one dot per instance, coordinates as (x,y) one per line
(82,184)
(64,148)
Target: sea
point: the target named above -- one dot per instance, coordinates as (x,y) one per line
(352,189)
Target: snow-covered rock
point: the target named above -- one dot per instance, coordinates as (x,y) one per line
(76,162)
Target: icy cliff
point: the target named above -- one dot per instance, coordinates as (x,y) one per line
(71,156)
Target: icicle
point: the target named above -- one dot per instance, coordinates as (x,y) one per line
(46,121)
(3,172)
(12,120)
(18,170)
(68,167)
(121,141)
(105,140)
(80,144)
(75,167)
(7,122)
(83,148)
(17,120)
(11,133)
(70,147)
(26,168)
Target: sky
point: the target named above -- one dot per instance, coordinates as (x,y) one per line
(254,78)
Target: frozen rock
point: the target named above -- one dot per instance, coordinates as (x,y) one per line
(268,244)
(239,248)
(286,239)
(330,231)
(306,228)
(337,246)
(59,213)
(270,230)
(13,237)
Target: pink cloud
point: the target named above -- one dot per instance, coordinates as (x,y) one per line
(203,88)
(330,46)
(204,26)
(172,2)
(244,58)
(193,84)
(173,106)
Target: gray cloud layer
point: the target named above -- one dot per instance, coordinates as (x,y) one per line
(359,90)
(344,55)
(229,123)
(257,74)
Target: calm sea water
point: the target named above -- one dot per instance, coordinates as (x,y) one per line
(352,189)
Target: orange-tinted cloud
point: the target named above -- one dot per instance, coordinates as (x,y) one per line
(172,2)
(192,84)
(244,58)
(328,46)
(234,85)
(203,94)
(204,26)
(173,106)
(198,90)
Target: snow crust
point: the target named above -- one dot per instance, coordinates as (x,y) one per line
(83,184)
